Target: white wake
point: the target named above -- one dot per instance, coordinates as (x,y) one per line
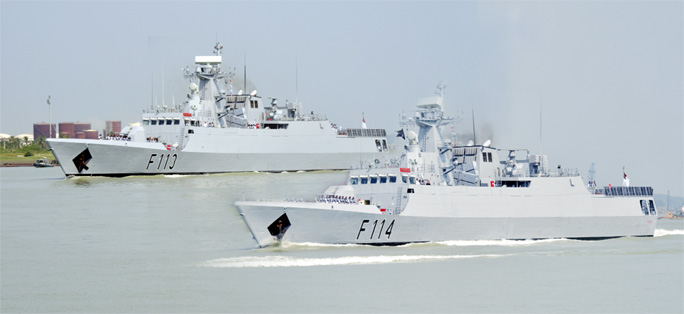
(287,261)
(665,232)
(499,242)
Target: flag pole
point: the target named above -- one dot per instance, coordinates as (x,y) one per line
(50,118)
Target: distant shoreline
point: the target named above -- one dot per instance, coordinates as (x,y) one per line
(17,165)
(23,164)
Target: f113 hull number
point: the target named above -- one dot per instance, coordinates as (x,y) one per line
(378,226)
(162,161)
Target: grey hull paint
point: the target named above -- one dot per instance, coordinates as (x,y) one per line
(128,158)
(322,223)
(440,192)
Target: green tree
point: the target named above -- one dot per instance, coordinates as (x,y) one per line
(41,143)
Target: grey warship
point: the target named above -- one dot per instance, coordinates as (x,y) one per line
(218,131)
(437,191)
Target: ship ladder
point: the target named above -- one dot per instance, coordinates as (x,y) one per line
(397,209)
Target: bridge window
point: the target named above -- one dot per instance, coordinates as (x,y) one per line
(364,180)
(392,179)
(486,157)
(644,207)
(373,180)
(383,179)
(169,121)
(275,125)
(176,121)
(652,207)
(354,180)
(410,191)
(154,122)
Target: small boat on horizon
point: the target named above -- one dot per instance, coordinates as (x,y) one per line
(43,163)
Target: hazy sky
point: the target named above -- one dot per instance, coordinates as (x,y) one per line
(608,74)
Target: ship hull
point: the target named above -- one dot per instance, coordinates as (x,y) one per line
(79,157)
(365,224)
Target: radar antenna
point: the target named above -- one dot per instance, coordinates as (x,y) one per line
(217,48)
(592,172)
(440,89)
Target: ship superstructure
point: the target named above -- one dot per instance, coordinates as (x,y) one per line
(437,191)
(216,130)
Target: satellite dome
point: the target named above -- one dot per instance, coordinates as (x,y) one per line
(193,87)
(412,136)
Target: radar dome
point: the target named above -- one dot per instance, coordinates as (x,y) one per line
(412,136)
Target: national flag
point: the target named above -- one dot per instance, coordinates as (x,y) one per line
(625,179)
(363,125)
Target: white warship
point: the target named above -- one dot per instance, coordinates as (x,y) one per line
(216,131)
(437,191)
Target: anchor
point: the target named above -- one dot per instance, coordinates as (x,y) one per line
(82,159)
(279,226)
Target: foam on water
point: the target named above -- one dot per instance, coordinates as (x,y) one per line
(175,175)
(288,261)
(446,243)
(666,232)
(312,244)
(499,242)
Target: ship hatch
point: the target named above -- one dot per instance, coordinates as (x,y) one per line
(279,226)
(82,159)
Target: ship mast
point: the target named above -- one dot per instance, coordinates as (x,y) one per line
(50,117)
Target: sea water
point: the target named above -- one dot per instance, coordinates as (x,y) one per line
(177,244)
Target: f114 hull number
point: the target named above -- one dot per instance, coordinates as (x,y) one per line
(377,226)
